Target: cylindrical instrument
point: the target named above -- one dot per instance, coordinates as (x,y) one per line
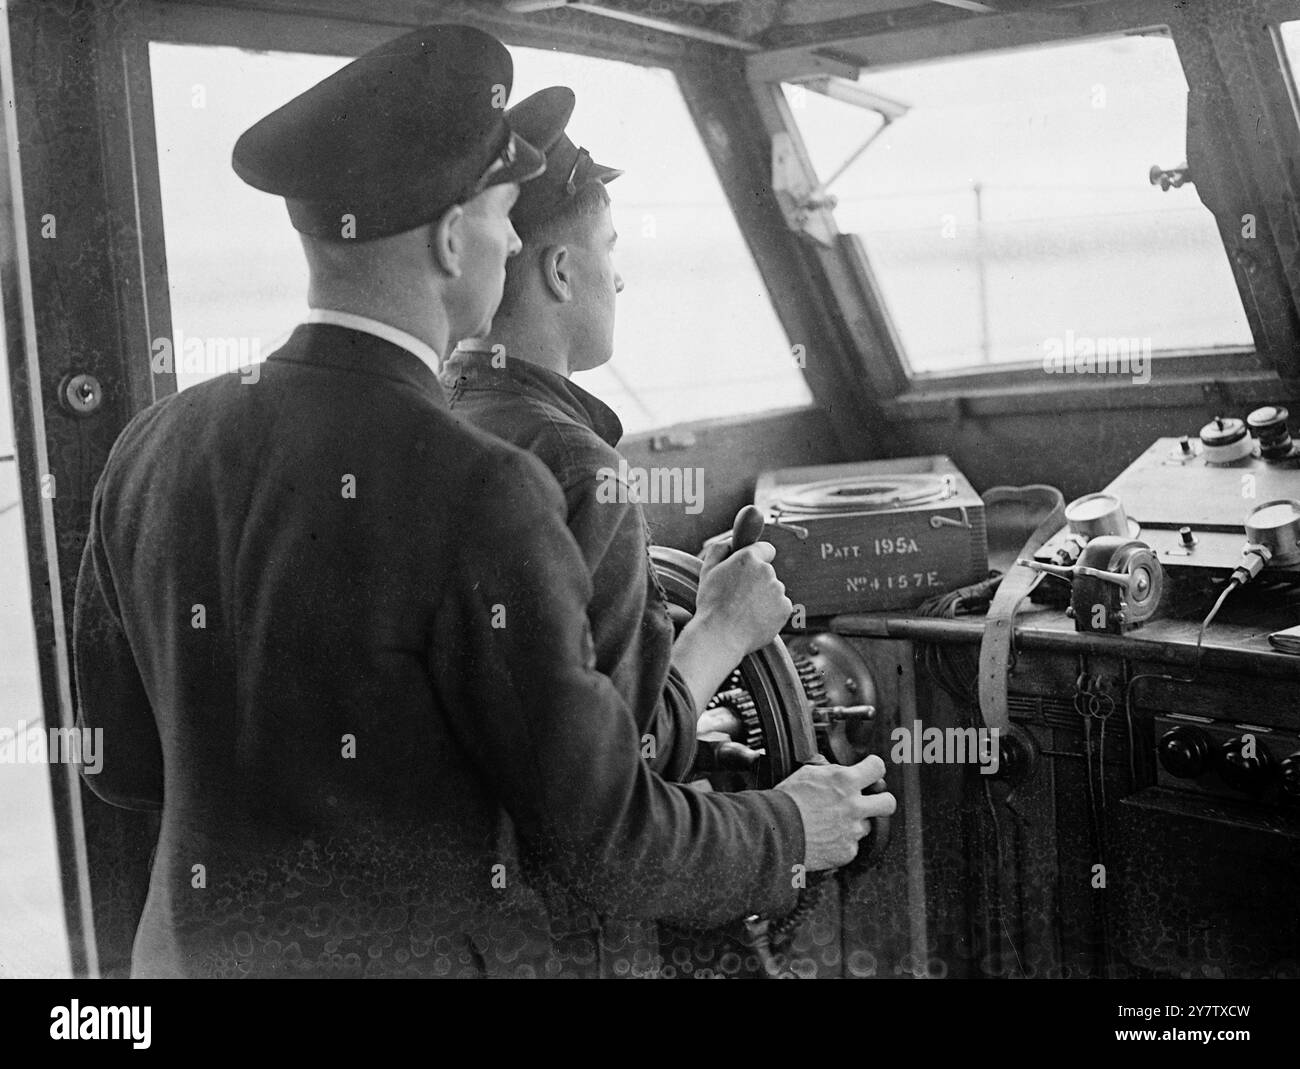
(1115,585)
(1276,526)
(1094,515)
(1225,440)
(1268,424)
(1124,575)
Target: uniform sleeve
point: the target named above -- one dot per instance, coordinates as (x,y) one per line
(611,536)
(512,664)
(676,717)
(111,695)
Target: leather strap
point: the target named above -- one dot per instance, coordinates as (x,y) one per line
(999,625)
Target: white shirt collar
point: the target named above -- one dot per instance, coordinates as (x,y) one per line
(427,354)
(474,345)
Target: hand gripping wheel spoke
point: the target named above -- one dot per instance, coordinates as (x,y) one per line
(774,699)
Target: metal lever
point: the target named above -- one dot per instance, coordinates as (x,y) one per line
(748,527)
(750,524)
(829,714)
(724,756)
(1170,178)
(1118,578)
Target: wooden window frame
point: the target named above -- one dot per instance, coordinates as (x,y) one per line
(1243,76)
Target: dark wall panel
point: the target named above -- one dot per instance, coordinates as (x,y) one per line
(729,456)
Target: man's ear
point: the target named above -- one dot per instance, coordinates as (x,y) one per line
(447,241)
(555,270)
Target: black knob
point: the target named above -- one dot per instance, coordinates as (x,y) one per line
(1246,764)
(1289,776)
(1016,758)
(1185,751)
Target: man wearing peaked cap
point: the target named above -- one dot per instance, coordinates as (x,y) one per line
(557,317)
(544,116)
(393,139)
(340,639)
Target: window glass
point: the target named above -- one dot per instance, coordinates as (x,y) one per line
(33,938)
(1290,33)
(696,335)
(235,269)
(1008,210)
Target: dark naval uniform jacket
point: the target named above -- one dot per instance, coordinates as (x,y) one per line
(340,639)
(575,434)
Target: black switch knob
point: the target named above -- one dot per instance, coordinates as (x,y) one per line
(1017,758)
(1289,776)
(1246,764)
(1185,751)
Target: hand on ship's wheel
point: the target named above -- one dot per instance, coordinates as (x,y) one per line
(777,713)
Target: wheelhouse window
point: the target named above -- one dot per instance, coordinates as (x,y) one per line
(235,269)
(1289,32)
(696,335)
(1013,205)
(33,938)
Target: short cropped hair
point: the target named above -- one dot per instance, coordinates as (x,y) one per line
(585,203)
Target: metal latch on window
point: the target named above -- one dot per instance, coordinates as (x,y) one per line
(807,202)
(671,440)
(804,204)
(1170,179)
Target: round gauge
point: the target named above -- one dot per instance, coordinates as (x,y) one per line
(1275,514)
(1097,514)
(1092,507)
(1276,525)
